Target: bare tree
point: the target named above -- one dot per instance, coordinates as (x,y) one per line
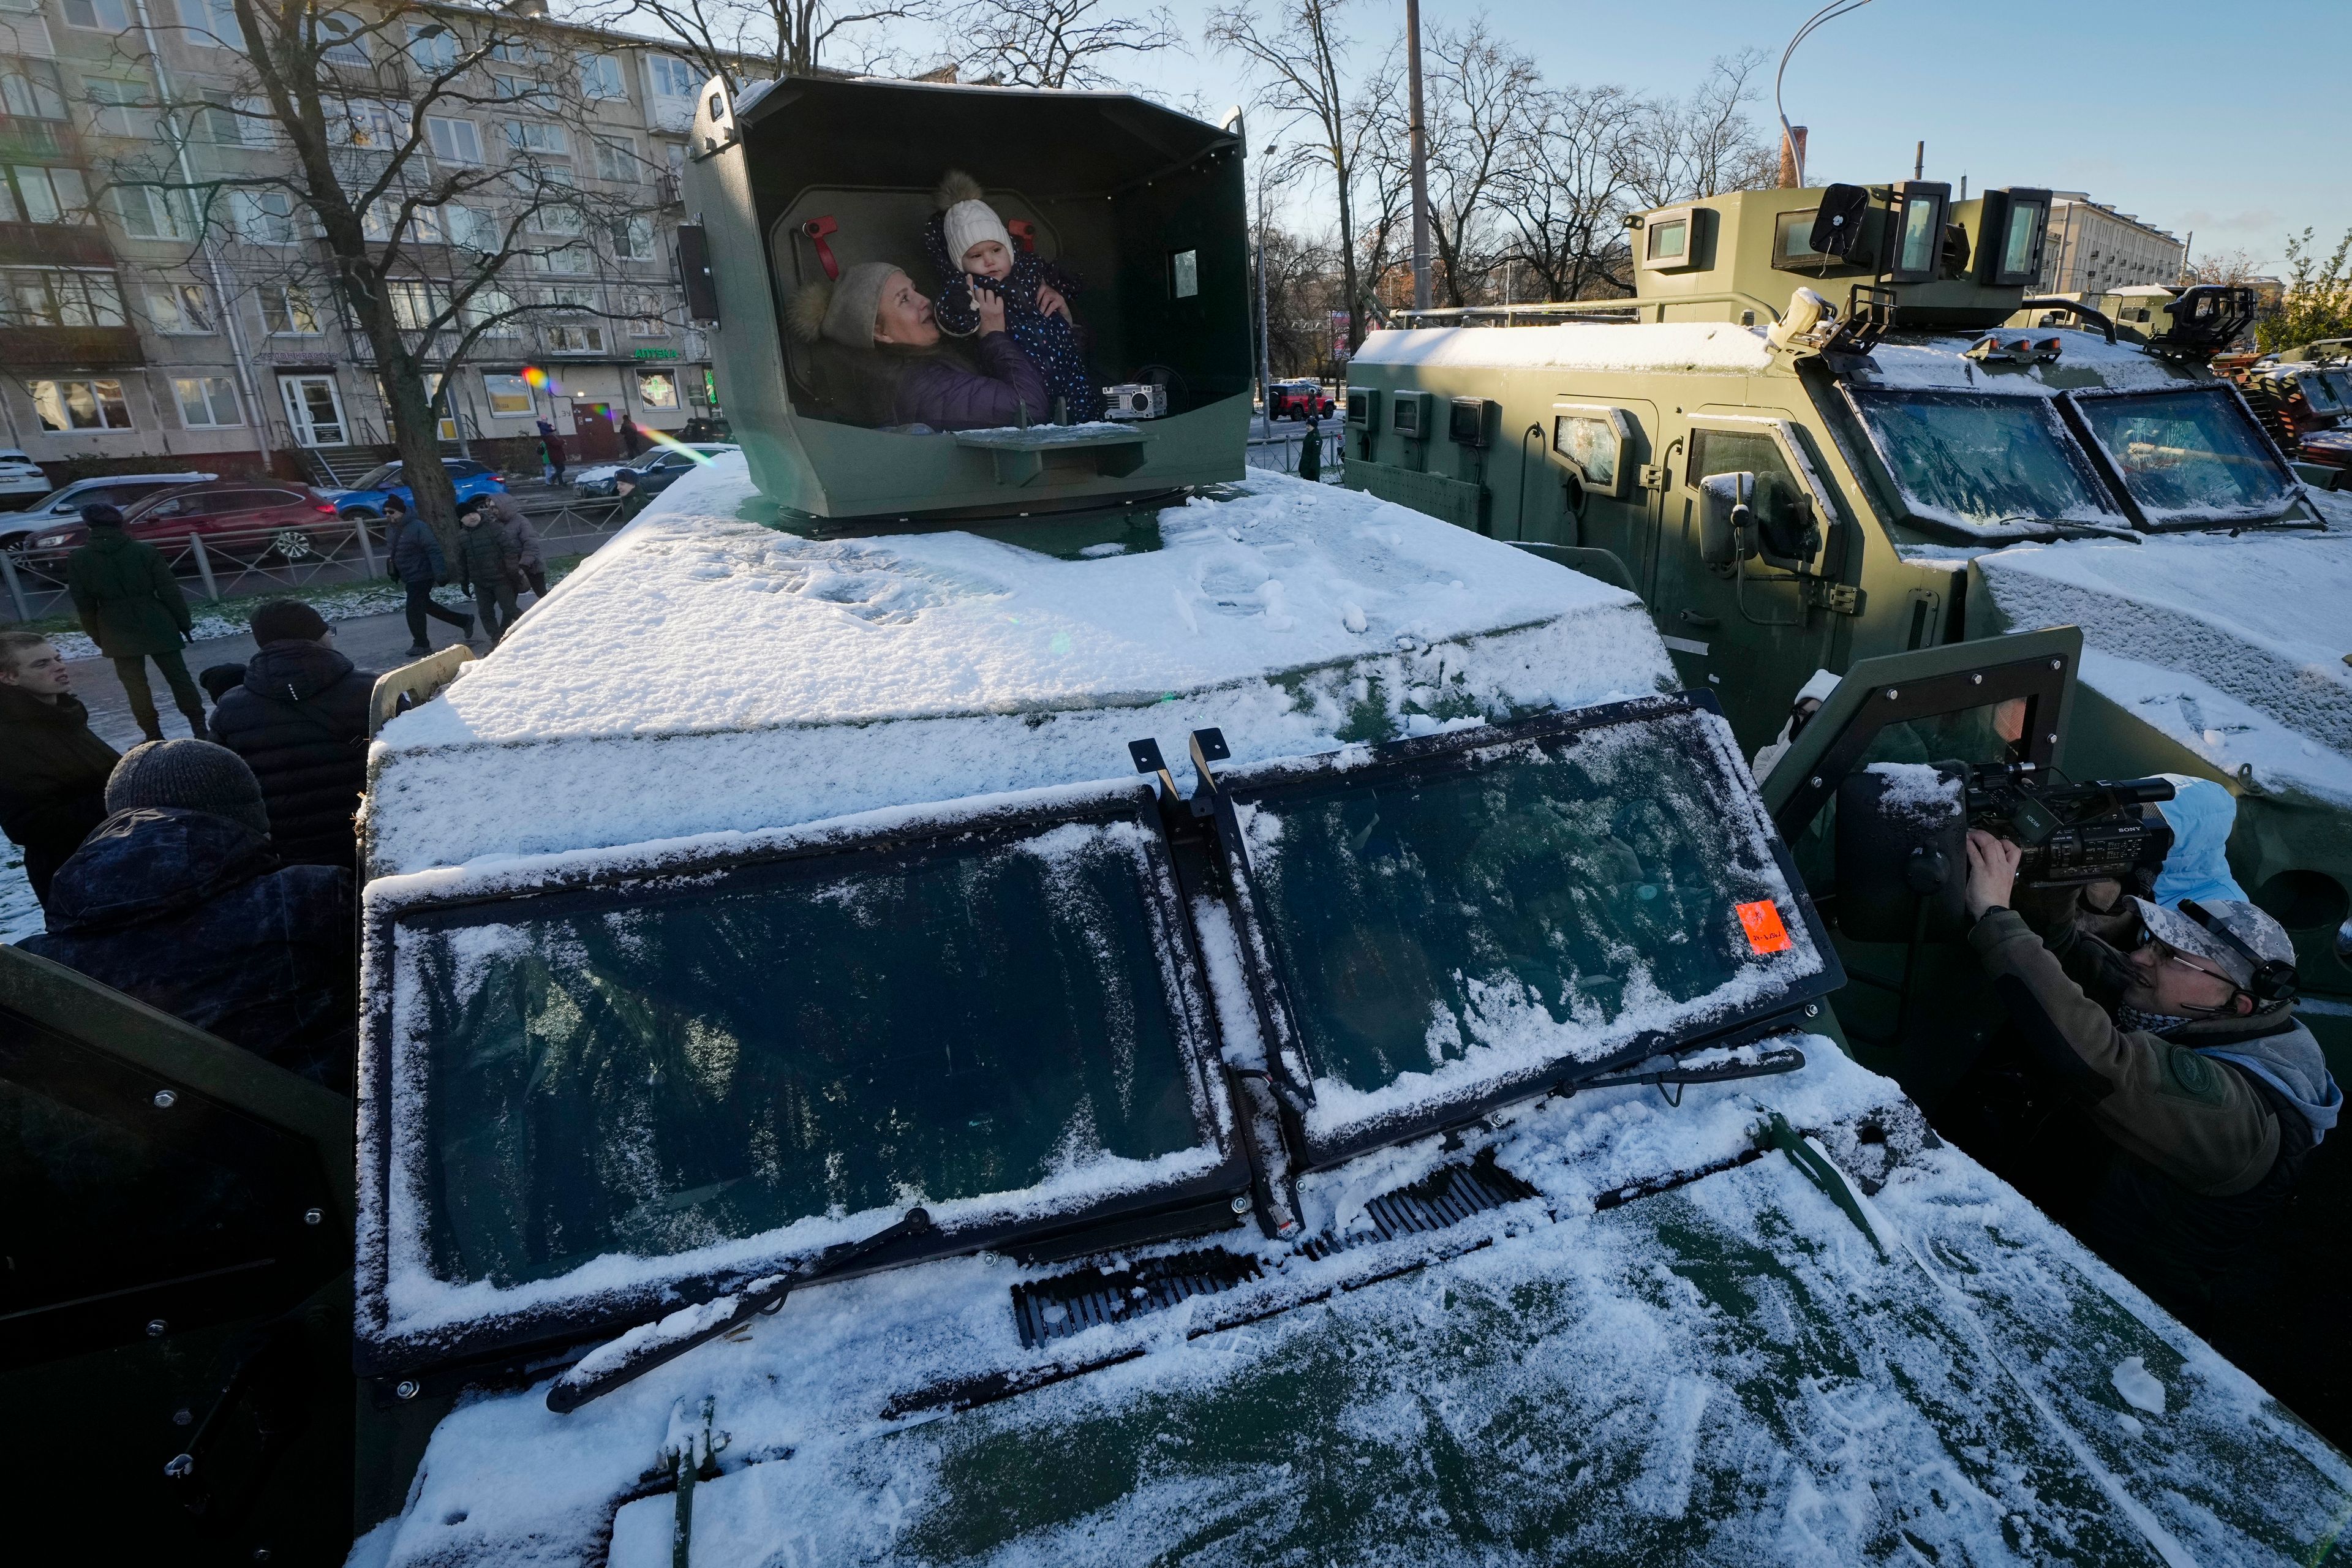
(423,245)
(1705,144)
(1301,61)
(1478,88)
(736,40)
(1053,43)
(1565,194)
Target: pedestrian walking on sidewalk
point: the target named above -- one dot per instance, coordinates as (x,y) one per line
(490,564)
(554,446)
(418,563)
(132,606)
(53,769)
(508,514)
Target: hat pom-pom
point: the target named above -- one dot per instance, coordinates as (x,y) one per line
(805,317)
(955,186)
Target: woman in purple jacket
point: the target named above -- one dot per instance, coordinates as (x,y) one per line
(883,360)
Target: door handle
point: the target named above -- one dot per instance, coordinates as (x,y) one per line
(1694,618)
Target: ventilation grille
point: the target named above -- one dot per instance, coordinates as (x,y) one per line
(1446,1196)
(1071,1304)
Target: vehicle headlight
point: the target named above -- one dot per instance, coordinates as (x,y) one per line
(52,539)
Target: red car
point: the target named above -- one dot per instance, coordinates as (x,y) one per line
(244,518)
(1300,400)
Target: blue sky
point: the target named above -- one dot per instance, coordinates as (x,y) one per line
(2232,121)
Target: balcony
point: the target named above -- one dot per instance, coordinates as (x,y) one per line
(26,140)
(70,348)
(55,245)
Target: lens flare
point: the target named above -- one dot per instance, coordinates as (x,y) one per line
(660,439)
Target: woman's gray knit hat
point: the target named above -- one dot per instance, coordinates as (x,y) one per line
(193,776)
(842,311)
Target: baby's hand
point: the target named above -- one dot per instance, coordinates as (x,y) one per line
(1051,303)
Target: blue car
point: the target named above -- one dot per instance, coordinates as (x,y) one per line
(370,496)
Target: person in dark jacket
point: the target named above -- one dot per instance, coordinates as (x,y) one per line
(132,608)
(178,900)
(2172,1098)
(418,563)
(885,363)
(490,564)
(300,720)
(551,446)
(53,769)
(508,514)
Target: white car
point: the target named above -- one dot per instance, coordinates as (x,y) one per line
(20,476)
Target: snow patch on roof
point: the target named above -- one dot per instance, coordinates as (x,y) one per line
(2087,360)
(1598,345)
(2263,619)
(703,673)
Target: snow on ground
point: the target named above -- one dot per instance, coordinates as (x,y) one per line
(2265,620)
(1576,345)
(707,673)
(1730,1371)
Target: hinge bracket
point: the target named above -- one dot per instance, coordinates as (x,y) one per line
(1835,597)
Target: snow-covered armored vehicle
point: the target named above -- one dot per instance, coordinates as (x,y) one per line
(1811,440)
(2304,398)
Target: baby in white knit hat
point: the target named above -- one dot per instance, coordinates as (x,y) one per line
(973,248)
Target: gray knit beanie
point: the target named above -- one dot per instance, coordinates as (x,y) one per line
(193,775)
(843,312)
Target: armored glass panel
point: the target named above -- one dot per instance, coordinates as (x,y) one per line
(2339,383)
(1517,905)
(2190,453)
(1983,463)
(1922,236)
(1590,443)
(1184,273)
(1668,240)
(658,1069)
(2321,391)
(1992,732)
(2016,244)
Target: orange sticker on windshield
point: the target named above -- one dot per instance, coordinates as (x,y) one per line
(1761,921)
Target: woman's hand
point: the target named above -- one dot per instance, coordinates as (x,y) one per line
(1051,303)
(990,306)
(1992,872)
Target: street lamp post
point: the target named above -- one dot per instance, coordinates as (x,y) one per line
(1264,337)
(1418,153)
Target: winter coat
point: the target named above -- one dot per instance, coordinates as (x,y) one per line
(1050,342)
(53,773)
(487,555)
(192,913)
(416,553)
(941,390)
(129,602)
(300,720)
(509,514)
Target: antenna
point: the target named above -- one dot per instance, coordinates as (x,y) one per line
(1829,12)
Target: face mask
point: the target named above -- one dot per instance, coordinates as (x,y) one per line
(2132,1018)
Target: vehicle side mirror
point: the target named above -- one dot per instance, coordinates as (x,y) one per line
(1902,852)
(1727,520)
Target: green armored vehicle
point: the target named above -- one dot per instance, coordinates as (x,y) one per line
(1253,1026)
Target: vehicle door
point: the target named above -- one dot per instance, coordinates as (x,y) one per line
(1917,1006)
(167,524)
(175,1311)
(1736,619)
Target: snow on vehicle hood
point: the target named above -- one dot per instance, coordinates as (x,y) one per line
(1730,1371)
(2181,628)
(703,673)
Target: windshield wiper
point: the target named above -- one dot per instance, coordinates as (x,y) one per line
(638,1351)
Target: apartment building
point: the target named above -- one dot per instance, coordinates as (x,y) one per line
(135,332)
(2093,248)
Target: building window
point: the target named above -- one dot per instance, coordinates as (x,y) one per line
(454,141)
(73,405)
(672,78)
(632,239)
(122,109)
(573,260)
(656,389)
(182,308)
(28,90)
(492,309)
(416,304)
(263,217)
(150,212)
(100,15)
(646,318)
(530,136)
(615,158)
(213,22)
(287,310)
(523,93)
(519,52)
(432,46)
(207,402)
(342,39)
(470,228)
(36,194)
(600,77)
(509,396)
(574,335)
(42,297)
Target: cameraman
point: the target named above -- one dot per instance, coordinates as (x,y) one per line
(2174,1099)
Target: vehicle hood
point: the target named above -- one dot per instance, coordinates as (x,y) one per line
(294,670)
(2233,646)
(1741,1367)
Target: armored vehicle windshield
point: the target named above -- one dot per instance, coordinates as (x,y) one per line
(1984,463)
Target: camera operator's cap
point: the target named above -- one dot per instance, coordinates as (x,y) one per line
(2256,931)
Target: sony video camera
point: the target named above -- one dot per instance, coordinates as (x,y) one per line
(1902,839)
(1135,400)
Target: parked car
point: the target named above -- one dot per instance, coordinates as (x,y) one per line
(21,479)
(64,505)
(291,520)
(655,471)
(1300,400)
(370,496)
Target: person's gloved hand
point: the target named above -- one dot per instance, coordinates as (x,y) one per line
(1992,872)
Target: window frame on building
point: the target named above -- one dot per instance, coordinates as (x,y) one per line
(99,402)
(171,306)
(210,392)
